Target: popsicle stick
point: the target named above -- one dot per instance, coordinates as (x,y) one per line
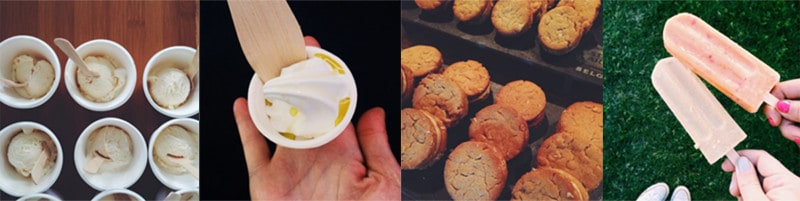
(733,156)
(187,164)
(770,99)
(269,35)
(93,165)
(38,168)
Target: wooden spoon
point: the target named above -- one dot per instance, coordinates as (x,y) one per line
(70,51)
(9,83)
(38,167)
(269,35)
(185,163)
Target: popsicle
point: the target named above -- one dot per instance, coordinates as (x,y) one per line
(711,128)
(720,61)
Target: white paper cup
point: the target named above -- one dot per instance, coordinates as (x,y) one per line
(15,46)
(103,194)
(12,182)
(175,56)
(173,181)
(255,102)
(123,178)
(118,56)
(39,197)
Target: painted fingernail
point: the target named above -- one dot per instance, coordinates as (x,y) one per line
(783,106)
(797,140)
(771,122)
(743,165)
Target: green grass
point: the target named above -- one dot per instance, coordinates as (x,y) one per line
(644,142)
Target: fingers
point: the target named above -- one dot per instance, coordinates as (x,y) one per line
(773,116)
(747,180)
(256,152)
(789,109)
(375,144)
(790,131)
(311,41)
(734,188)
(789,89)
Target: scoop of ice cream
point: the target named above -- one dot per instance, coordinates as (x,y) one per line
(25,148)
(38,74)
(112,143)
(176,142)
(308,99)
(169,87)
(104,87)
(118,197)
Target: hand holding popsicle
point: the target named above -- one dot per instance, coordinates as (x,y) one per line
(778,184)
(787,112)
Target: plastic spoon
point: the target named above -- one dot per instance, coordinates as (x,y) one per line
(69,50)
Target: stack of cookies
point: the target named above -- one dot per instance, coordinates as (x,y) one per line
(561,29)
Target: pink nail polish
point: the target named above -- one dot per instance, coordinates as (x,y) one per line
(783,106)
(797,140)
(771,122)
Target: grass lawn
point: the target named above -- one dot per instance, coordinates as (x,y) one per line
(644,142)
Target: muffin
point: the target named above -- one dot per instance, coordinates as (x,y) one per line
(421,60)
(431,5)
(548,184)
(560,30)
(472,11)
(442,98)
(575,155)
(583,119)
(501,127)
(475,171)
(587,11)
(526,97)
(472,77)
(406,83)
(512,17)
(423,139)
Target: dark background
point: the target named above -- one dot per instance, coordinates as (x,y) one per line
(363,34)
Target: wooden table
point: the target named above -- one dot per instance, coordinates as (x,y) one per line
(142,27)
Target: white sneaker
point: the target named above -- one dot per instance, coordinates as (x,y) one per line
(656,192)
(681,194)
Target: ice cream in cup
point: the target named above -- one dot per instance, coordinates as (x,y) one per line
(166,83)
(39,197)
(118,194)
(110,154)
(308,105)
(33,69)
(31,158)
(174,153)
(116,78)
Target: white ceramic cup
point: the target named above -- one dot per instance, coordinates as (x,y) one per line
(175,56)
(15,46)
(103,194)
(118,55)
(12,182)
(105,180)
(39,197)
(173,181)
(255,103)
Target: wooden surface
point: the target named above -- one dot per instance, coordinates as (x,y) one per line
(142,27)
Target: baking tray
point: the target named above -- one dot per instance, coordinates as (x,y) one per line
(565,80)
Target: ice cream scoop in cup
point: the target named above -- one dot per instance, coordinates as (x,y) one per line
(308,105)
(31,158)
(174,153)
(29,72)
(121,149)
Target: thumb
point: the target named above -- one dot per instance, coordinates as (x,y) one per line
(747,179)
(789,109)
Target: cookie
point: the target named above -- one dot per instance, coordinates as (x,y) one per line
(472,77)
(526,97)
(442,98)
(475,171)
(587,11)
(421,60)
(584,119)
(406,83)
(548,184)
(431,5)
(423,139)
(575,155)
(512,17)
(560,30)
(472,11)
(501,127)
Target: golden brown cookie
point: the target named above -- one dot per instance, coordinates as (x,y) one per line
(526,97)
(575,155)
(475,171)
(472,77)
(472,11)
(512,17)
(442,98)
(584,119)
(421,60)
(431,5)
(423,139)
(406,83)
(548,184)
(560,30)
(501,127)
(587,11)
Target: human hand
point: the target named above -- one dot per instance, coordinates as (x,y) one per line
(786,112)
(779,182)
(358,164)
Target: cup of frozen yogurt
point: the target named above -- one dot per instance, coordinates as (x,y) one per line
(308,105)
(39,197)
(28,150)
(28,60)
(115,83)
(118,147)
(175,140)
(118,195)
(167,86)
